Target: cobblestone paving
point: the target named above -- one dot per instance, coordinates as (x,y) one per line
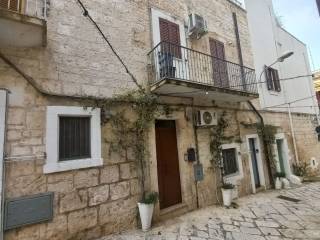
(260,217)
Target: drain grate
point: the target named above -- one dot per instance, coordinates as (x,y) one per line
(289,199)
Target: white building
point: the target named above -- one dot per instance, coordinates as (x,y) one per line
(270,41)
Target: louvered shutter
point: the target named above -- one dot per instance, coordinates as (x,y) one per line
(4,4)
(14,5)
(276,80)
(268,78)
(170,33)
(174,38)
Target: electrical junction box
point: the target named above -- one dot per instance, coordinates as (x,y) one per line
(198,172)
(28,210)
(191,155)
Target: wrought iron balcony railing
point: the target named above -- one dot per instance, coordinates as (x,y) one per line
(33,8)
(170,61)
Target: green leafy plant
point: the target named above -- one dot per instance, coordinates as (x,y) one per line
(131,133)
(150,198)
(267,132)
(217,138)
(280,175)
(300,169)
(228,186)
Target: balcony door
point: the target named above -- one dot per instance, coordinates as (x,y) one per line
(219,66)
(171,58)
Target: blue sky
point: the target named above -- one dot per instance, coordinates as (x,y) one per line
(301,18)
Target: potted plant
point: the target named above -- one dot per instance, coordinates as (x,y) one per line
(227,189)
(278,183)
(146,206)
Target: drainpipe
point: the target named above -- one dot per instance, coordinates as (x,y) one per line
(236,29)
(293,134)
(197,149)
(265,145)
(2,158)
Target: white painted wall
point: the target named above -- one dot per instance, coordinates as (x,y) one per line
(269,41)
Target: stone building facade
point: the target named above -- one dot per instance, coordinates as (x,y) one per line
(98,197)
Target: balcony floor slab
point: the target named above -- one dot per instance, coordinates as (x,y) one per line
(18,30)
(181,88)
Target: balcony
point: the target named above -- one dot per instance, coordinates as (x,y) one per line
(183,72)
(23,23)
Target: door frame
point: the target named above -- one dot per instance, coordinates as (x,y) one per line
(259,162)
(286,158)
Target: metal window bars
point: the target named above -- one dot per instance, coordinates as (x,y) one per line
(171,61)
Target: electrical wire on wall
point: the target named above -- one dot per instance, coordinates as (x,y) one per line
(86,14)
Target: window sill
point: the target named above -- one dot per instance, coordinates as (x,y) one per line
(72,165)
(274,93)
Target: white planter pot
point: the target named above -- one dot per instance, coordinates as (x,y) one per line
(278,184)
(286,183)
(146,212)
(227,196)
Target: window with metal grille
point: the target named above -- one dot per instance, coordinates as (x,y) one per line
(74,138)
(230,165)
(273,81)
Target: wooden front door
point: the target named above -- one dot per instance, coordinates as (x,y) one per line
(168,164)
(219,66)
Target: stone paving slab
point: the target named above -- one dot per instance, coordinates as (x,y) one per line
(259,217)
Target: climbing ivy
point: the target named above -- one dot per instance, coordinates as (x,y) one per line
(217,138)
(131,133)
(267,132)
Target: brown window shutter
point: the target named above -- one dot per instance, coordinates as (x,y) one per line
(164,30)
(4,4)
(170,33)
(276,81)
(14,5)
(269,78)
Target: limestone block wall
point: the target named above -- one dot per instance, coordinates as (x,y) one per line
(88,203)
(304,126)
(92,202)
(77,61)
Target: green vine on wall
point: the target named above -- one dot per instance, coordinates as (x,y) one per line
(267,132)
(217,138)
(132,133)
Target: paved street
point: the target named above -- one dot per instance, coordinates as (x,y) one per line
(260,216)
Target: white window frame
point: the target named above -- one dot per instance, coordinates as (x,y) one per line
(155,16)
(259,161)
(233,178)
(52,139)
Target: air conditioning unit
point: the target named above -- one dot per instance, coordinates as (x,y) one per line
(206,118)
(197,26)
